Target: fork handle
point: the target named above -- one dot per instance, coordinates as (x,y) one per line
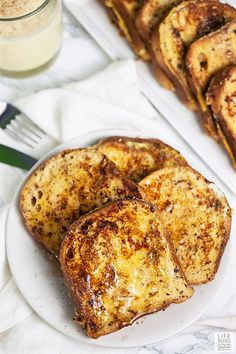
(16,158)
(7,113)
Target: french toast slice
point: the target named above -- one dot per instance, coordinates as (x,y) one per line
(119,265)
(137,158)
(221,98)
(204,58)
(197,215)
(149,17)
(123,14)
(184,24)
(66,186)
(152,13)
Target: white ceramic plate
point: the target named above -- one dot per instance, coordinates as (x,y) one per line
(42,284)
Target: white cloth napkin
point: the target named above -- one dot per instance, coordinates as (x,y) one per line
(109,99)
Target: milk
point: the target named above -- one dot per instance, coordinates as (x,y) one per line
(29,42)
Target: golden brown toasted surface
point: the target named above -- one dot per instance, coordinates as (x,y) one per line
(120,265)
(149,17)
(137,158)
(204,58)
(124,13)
(184,24)
(152,13)
(66,186)
(221,98)
(197,215)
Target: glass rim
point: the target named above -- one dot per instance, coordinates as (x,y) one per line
(29,14)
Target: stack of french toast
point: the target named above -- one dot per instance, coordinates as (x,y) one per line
(190,44)
(132,226)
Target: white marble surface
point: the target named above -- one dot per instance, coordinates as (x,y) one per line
(69,66)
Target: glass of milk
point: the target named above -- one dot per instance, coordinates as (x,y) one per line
(30,35)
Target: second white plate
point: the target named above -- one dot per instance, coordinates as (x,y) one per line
(93,17)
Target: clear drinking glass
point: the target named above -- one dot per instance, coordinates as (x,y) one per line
(30,40)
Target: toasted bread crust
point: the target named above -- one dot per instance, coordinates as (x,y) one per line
(161,77)
(149,17)
(151,14)
(137,158)
(113,261)
(204,58)
(197,215)
(123,15)
(220,98)
(66,186)
(184,24)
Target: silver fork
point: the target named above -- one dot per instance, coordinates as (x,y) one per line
(34,141)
